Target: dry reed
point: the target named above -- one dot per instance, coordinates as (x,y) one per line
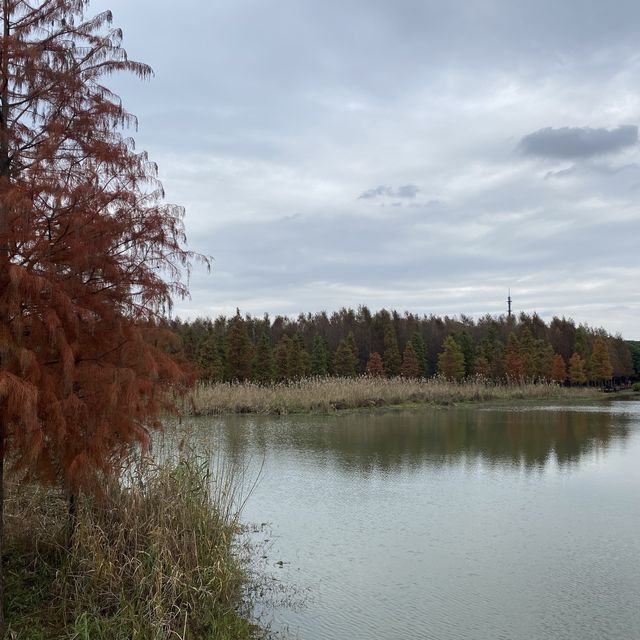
(329,394)
(153,558)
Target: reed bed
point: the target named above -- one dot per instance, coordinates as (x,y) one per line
(153,558)
(330,394)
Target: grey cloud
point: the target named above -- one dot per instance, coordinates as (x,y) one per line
(404,191)
(578,142)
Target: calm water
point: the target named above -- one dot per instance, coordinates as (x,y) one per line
(450,524)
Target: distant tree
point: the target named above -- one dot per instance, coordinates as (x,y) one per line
(391,356)
(263,365)
(577,370)
(209,359)
(351,343)
(481,367)
(581,344)
(298,361)
(451,360)
(281,358)
(417,342)
(239,350)
(601,368)
(545,361)
(320,357)
(410,367)
(468,351)
(345,360)
(559,369)
(513,364)
(375,367)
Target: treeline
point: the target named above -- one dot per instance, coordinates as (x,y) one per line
(352,342)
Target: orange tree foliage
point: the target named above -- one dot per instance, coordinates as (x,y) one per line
(410,367)
(558,368)
(451,360)
(89,254)
(375,366)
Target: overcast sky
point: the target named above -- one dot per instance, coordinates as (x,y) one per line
(409,154)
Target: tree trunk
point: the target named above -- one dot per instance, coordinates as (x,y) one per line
(4,255)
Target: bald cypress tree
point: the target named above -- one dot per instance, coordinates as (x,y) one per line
(263,365)
(90,255)
(410,367)
(391,356)
(601,369)
(320,357)
(451,360)
(239,350)
(345,360)
(375,366)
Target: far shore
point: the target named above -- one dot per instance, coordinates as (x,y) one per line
(330,395)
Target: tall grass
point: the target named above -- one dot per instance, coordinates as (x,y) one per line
(152,559)
(331,394)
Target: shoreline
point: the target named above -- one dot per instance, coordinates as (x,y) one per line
(330,396)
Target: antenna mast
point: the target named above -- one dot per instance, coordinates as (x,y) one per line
(509,304)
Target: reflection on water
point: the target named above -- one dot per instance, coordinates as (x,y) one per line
(434,437)
(449,524)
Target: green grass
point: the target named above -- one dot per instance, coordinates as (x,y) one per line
(327,395)
(153,558)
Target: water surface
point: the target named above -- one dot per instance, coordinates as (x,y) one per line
(469,524)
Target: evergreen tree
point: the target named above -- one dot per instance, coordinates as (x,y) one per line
(345,360)
(417,342)
(391,357)
(209,360)
(468,352)
(319,357)
(451,360)
(263,365)
(239,351)
(281,357)
(410,367)
(481,367)
(351,343)
(601,368)
(577,370)
(375,367)
(298,361)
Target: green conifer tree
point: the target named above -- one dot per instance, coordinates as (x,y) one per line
(391,356)
(417,342)
(345,360)
(209,360)
(451,360)
(263,365)
(239,350)
(281,357)
(319,357)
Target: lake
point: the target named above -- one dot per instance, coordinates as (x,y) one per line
(477,523)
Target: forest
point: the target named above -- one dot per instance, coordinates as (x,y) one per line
(386,343)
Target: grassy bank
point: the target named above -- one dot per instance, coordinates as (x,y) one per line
(153,559)
(324,395)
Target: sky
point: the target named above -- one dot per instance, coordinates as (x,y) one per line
(413,155)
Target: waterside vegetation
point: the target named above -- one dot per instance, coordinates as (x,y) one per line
(330,394)
(386,344)
(153,558)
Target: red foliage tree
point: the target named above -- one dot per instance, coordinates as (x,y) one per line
(410,367)
(89,254)
(558,369)
(375,366)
